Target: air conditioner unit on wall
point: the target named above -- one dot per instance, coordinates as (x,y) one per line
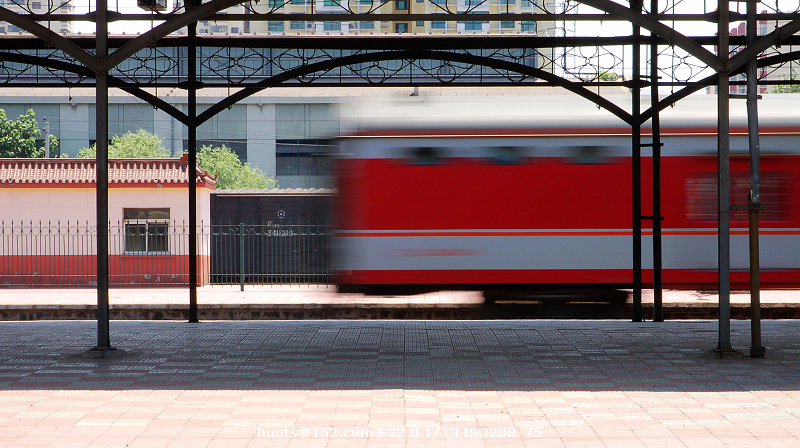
(311,25)
(152,5)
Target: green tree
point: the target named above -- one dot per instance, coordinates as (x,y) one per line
(230,171)
(608,76)
(18,137)
(131,145)
(787,88)
(219,160)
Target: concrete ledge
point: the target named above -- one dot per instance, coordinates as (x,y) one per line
(672,311)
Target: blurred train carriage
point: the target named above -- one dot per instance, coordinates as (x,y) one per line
(480,204)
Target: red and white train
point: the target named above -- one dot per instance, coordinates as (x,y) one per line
(548,202)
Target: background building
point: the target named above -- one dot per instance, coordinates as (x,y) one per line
(286,132)
(443,7)
(25,7)
(783,72)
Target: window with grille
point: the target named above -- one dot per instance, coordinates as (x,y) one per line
(332,26)
(303,157)
(146,230)
(474,25)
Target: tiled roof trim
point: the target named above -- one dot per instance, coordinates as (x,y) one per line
(83,171)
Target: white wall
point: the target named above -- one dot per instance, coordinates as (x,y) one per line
(75,207)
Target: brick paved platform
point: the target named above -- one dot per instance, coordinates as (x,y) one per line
(397,384)
(323,302)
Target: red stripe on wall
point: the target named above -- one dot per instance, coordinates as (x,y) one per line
(81,270)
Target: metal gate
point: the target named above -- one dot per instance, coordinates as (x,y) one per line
(290,251)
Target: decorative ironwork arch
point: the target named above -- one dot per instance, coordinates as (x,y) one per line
(417,55)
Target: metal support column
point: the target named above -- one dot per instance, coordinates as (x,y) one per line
(754,201)
(101,170)
(636,168)
(658,307)
(192,114)
(723,172)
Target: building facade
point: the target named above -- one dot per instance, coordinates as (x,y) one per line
(48,221)
(443,7)
(26,7)
(783,72)
(286,137)
(289,133)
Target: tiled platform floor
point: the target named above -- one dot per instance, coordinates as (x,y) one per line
(396,384)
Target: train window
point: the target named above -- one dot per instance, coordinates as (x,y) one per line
(427,156)
(505,155)
(590,155)
(701,196)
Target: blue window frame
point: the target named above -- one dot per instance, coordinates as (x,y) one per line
(528,25)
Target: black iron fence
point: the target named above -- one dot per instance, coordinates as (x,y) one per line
(290,251)
(156,252)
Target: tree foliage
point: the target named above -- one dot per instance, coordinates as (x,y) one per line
(131,145)
(608,76)
(18,137)
(219,160)
(787,88)
(230,171)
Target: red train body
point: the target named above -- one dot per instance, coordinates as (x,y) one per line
(481,208)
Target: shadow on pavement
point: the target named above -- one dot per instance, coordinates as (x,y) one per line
(436,355)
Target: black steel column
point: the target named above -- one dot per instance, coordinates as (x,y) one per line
(636,167)
(723,172)
(101,167)
(658,307)
(192,131)
(754,202)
